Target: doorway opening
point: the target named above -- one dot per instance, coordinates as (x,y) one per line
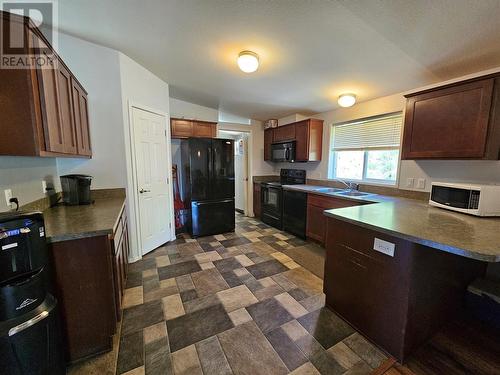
(241,168)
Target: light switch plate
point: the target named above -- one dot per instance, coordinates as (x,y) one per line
(421,183)
(44,187)
(8,195)
(384,247)
(410,182)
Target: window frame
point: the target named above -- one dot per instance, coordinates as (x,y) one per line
(332,170)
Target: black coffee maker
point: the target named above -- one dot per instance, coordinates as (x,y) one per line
(30,332)
(76,189)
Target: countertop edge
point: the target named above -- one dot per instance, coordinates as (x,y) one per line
(79,236)
(436,245)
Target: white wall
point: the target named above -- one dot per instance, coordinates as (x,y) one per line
(182,109)
(98,70)
(24,175)
(142,88)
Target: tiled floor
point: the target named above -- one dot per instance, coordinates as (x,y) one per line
(235,304)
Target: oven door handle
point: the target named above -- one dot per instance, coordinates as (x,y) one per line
(287,154)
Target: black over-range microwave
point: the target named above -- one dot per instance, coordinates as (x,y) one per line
(283,152)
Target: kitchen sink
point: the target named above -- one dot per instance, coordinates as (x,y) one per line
(353,193)
(329,190)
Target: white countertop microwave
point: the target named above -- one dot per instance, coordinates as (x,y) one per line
(473,199)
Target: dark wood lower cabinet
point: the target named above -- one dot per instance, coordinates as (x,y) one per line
(256,199)
(90,277)
(397,302)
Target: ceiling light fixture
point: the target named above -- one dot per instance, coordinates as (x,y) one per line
(347,100)
(248,61)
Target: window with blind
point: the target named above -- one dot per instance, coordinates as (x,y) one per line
(367,150)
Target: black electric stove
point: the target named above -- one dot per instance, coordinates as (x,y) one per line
(272,195)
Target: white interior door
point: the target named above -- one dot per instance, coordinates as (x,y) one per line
(152,174)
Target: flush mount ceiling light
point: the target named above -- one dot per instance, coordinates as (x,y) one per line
(347,100)
(248,61)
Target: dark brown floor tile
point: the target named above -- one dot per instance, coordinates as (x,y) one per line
(265,269)
(212,358)
(199,325)
(326,327)
(296,242)
(269,314)
(326,364)
(150,283)
(206,246)
(249,353)
(141,265)
(134,279)
(298,294)
(158,360)
(313,303)
(131,354)
(208,282)
(188,295)
(289,353)
(226,265)
(309,346)
(178,269)
(137,317)
(310,256)
(175,258)
(206,239)
(235,242)
(231,279)
(269,239)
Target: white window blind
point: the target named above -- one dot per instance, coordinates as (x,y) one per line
(380,132)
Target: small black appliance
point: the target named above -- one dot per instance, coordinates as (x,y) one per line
(30,335)
(283,152)
(76,189)
(272,195)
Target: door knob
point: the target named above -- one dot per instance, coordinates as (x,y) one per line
(144,191)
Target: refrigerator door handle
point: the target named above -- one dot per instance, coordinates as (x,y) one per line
(211,202)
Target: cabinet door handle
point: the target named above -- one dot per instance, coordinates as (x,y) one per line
(144,191)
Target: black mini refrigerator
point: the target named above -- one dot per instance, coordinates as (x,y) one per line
(208,185)
(30,333)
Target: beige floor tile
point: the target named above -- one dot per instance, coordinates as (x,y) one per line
(168,283)
(184,283)
(292,265)
(149,273)
(186,361)
(254,239)
(207,265)
(244,260)
(267,281)
(310,283)
(281,236)
(291,305)
(281,257)
(219,237)
(133,296)
(344,355)
(283,244)
(188,240)
(240,316)
(208,282)
(294,330)
(162,261)
(236,298)
(172,306)
(252,234)
(215,244)
(209,256)
(306,369)
(137,371)
(154,332)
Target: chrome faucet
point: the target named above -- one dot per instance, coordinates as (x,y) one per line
(350,185)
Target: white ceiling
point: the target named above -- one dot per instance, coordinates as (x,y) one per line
(310,50)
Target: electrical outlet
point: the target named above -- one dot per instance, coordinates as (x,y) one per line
(44,187)
(421,183)
(384,247)
(8,195)
(410,182)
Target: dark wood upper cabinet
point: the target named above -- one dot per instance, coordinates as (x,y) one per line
(65,91)
(309,140)
(284,133)
(81,117)
(308,137)
(38,119)
(268,141)
(181,128)
(457,121)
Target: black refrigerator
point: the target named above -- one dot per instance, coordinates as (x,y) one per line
(208,185)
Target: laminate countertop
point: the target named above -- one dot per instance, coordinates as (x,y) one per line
(63,223)
(416,221)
